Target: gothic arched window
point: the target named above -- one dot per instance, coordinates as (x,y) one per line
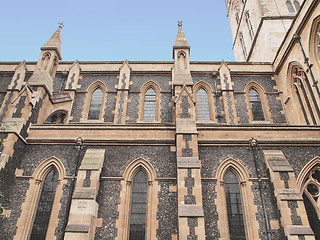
(311,199)
(256,106)
(234,207)
(95,105)
(203,105)
(150,104)
(42,217)
(45,61)
(304,93)
(138,207)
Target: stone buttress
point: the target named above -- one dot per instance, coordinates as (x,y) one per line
(190,210)
(294,218)
(82,220)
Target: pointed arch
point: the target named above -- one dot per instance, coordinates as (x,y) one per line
(138,166)
(150,102)
(45,60)
(210,112)
(57,117)
(314,41)
(33,195)
(309,185)
(303,94)
(249,209)
(95,102)
(257,103)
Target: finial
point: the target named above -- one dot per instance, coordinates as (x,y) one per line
(61,25)
(180,23)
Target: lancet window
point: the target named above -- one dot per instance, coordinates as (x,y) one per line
(42,217)
(256,106)
(203,105)
(234,207)
(150,104)
(95,105)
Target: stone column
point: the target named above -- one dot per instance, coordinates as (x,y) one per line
(294,218)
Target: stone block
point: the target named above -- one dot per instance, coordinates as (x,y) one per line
(289,195)
(93,159)
(188,162)
(79,228)
(299,230)
(277,161)
(186,126)
(84,193)
(190,211)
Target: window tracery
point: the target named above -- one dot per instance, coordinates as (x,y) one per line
(304,93)
(311,198)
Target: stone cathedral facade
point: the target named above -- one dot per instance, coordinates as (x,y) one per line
(169,150)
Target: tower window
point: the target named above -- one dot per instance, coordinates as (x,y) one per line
(95,105)
(150,103)
(234,207)
(41,222)
(249,25)
(203,105)
(138,207)
(296,5)
(290,7)
(244,51)
(256,106)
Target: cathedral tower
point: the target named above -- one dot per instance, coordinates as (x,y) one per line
(259,26)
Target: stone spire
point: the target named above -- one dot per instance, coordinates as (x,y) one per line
(181,41)
(54,42)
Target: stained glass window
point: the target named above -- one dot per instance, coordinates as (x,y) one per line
(41,222)
(203,105)
(234,207)
(138,207)
(256,107)
(150,102)
(95,105)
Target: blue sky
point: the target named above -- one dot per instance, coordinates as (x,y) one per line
(107,30)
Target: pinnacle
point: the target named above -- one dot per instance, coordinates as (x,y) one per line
(54,43)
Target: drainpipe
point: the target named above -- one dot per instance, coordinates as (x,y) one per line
(253,143)
(79,145)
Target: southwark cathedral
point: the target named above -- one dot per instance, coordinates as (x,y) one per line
(175,150)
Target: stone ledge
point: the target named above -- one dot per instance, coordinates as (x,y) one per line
(84,193)
(80,227)
(277,161)
(188,162)
(289,195)
(299,230)
(190,211)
